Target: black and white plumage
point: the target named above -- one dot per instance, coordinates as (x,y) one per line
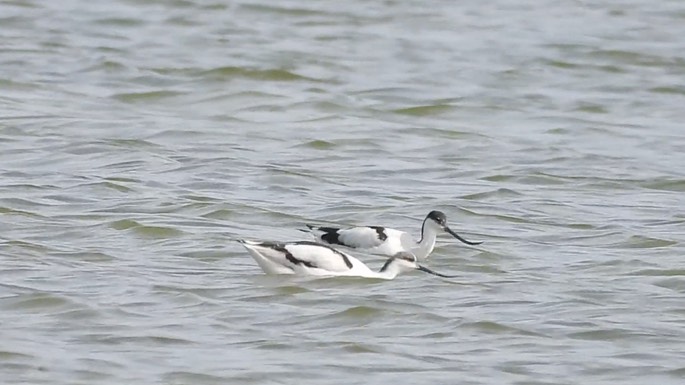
(311,258)
(386,241)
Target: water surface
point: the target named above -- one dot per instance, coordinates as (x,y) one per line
(138,139)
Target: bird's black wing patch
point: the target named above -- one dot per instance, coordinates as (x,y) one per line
(381,232)
(330,235)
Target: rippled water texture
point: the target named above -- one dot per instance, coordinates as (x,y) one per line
(138,139)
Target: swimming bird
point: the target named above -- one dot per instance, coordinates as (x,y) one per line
(312,258)
(385,241)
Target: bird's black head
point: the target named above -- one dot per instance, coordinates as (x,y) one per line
(403,258)
(438,217)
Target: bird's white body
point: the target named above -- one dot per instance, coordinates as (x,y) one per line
(387,241)
(378,240)
(315,259)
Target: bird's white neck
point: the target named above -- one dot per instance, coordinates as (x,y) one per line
(425,246)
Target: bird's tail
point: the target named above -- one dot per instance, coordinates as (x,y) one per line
(247,242)
(310,229)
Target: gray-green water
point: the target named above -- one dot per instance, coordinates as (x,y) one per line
(138,138)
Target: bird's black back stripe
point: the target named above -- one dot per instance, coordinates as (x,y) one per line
(347,261)
(381,232)
(344,257)
(296,261)
(291,258)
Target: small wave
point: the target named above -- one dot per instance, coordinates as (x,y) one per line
(491,327)
(227,73)
(668,90)
(676,284)
(604,335)
(145,230)
(666,185)
(142,97)
(145,340)
(499,193)
(7,355)
(36,301)
(193,378)
(426,110)
(641,242)
(359,312)
(660,272)
(318,145)
(360,348)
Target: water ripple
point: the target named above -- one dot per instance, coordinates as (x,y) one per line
(140,139)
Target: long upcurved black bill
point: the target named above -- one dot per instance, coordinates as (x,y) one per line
(460,238)
(429,271)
